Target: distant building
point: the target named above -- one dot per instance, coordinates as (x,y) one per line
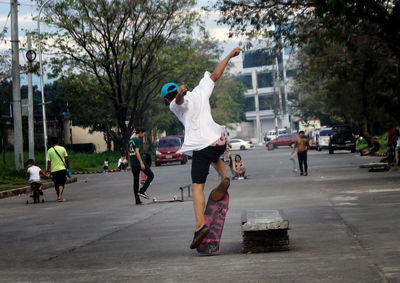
(264,62)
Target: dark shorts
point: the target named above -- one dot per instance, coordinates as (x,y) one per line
(59,178)
(201,161)
(372,152)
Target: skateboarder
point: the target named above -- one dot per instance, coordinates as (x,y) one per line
(138,164)
(302,146)
(204,139)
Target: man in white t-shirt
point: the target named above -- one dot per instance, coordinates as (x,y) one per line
(204,139)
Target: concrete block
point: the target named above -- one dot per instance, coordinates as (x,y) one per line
(264,231)
(261,220)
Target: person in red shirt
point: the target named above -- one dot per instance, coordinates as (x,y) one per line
(391,143)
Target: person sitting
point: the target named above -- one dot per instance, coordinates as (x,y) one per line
(238,167)
(122,163)
(373,149)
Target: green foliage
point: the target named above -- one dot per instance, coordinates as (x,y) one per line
(112,57)
(349,59)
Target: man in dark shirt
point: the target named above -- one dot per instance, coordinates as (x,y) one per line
(137,164)
(373,149)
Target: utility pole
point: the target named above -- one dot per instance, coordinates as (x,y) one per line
(278,75)
(16,89)
(257,105)
(31,136)
(42,82)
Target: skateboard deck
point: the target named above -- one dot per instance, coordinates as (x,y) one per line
(214,218)
(380,166)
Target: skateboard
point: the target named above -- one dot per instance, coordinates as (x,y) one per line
(174,198)
(373,167)
(214,218)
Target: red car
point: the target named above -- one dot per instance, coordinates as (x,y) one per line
(283,140)
(167,148)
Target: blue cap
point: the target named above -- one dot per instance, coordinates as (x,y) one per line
(168,88)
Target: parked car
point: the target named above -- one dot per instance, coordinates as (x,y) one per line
(283,140)
(239,144)
(323,139)
(342,137)
(167,148)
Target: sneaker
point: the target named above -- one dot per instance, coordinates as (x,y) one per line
(306,174)
(139,203)
(199,236)
(219,192)
(143,195)
(301,173)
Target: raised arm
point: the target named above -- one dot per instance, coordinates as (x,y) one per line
(219,70)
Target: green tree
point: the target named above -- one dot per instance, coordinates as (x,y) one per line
(120,50)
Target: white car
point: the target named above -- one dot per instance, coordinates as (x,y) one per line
(238,144)
(323,138)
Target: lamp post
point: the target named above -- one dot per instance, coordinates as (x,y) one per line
(42,84)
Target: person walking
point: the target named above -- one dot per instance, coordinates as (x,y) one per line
(57,164)
(204,139)
(138,164)
(302,147)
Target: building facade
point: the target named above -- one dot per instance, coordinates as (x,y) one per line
(274,79)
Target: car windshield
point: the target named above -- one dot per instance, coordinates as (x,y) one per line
(342,129)
(324,133)
(168,143)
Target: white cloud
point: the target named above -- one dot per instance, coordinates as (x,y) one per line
(222,34)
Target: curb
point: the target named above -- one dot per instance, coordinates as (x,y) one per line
(95,172)
(23,190)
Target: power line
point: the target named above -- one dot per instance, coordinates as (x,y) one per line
(3,30)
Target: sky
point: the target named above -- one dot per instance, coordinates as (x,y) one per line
(27,10)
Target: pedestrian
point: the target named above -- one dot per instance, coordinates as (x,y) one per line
(302,146)
(33,174)
(398,148)
(57,164)
(391,143)
(105,167)
(122,163)
(138,164)
(373,149)
(239,167)
(204,139)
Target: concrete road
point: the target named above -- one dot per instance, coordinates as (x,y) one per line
(345,227)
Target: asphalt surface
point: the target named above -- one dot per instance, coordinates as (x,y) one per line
(344,220)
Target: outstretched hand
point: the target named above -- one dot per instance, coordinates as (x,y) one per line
(235,52)
(182,90)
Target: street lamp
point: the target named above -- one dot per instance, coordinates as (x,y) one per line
(42,84)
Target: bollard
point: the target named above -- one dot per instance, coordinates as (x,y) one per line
(188,187)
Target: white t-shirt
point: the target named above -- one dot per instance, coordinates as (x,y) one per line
(34,173)
(195,114)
